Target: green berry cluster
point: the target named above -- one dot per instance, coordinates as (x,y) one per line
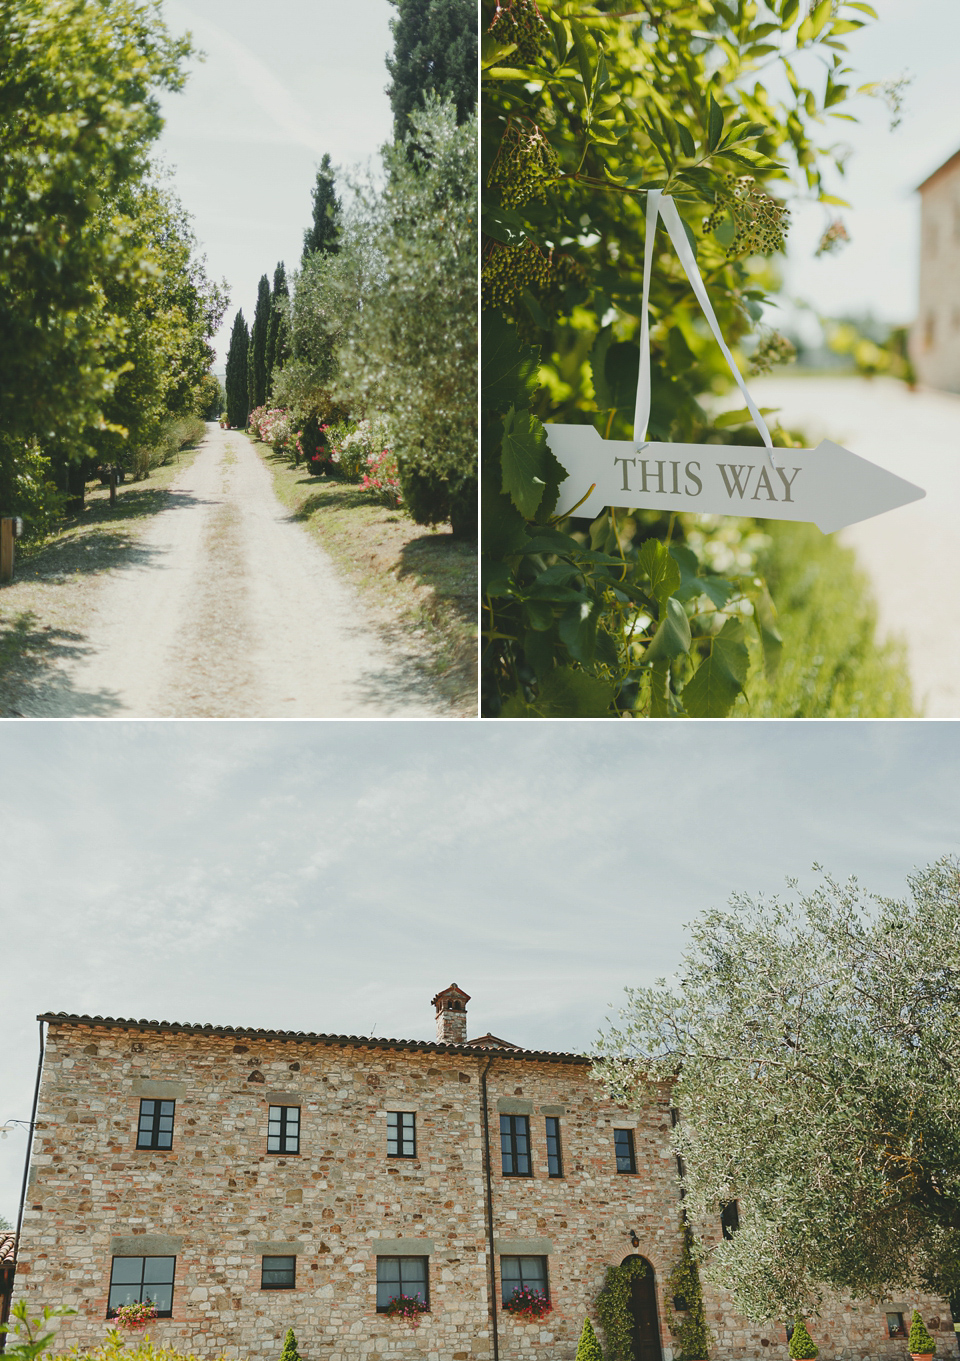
(508,270)
(760,222)
(521,23)
(525,163)
(834,238)
(773,348)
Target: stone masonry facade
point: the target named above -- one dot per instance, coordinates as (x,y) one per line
(218,1202)
(935,341)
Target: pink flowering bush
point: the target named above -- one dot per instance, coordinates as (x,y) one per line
(133,1317)
(409,1307)
(383,478)
(274,425)
(528,1304)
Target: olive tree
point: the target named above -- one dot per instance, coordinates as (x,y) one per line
(812,1047)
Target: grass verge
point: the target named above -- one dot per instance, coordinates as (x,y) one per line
(422,581)
(41,607)
(831,665)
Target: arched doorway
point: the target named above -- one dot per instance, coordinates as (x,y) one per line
(643,1311)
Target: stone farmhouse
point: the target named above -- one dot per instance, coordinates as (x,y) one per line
(935,341)
(247,1181)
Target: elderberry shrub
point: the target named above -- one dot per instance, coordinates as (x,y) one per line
(521,23)
(760,222)
(525,164)
(508,270)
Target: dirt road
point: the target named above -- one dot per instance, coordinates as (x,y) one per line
(912,554)
(228,609)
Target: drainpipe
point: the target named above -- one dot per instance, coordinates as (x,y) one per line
(26,1173)
(489,1216)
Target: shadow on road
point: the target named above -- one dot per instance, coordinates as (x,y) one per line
(29,652)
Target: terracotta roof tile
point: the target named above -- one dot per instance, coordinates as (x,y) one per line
(8,1242)
(485,1043)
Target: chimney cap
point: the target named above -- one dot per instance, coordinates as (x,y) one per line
(451,994)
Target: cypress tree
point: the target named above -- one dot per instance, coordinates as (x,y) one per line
(258,344)
(588,1348)
(238,399)
(324,234)
(290,1352)
(278,340)
(434,49)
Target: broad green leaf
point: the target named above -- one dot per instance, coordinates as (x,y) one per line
(672,638)
(687,144)
(581,46)
(729,648)
(566,693)
(741,416)
(508,371)
(715,130)
(522,460)
(789,12)
(654,559)
(832,198)
(814,22)
(660,690)
(578,629)
(711,691)
(539,614)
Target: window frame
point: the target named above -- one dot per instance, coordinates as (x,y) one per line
(543,1285)
(132,1257)
(514,1155)
(901,1329)
(155,1117)
(419,1257)
(283,1135)
(399,1135)
(730,1220)
(554,1156)
(282,1257)
(631,1152)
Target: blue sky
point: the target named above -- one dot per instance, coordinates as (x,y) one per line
(334,876)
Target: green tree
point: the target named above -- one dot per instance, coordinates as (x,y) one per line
(919,1343)
(411,349)
(690,1330)
(588,1348)
(258,345)
(811,1051)
(802,1346)
(290,1352)
(324,232)
(434,52)
(238,394)
(278,334)
(584,110)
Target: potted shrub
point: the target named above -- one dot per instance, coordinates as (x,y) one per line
(802,1345)
(920,1344)
(588,1348)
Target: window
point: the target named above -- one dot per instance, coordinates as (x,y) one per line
(623,1145)
(136,1279)
(401,1276)
(554,1160)
(155,1129)
(401,1134)
(730,1218)
(895,1326)
(523,1273)
(283,1129)
(278,1273)
(515,1146)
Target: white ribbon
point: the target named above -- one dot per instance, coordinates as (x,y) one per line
(658,206)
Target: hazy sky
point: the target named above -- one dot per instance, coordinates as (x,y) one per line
(281,85)
(333,876)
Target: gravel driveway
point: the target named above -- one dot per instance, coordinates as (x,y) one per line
(228,609)
(912,554)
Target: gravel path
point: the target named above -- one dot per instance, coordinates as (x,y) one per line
(912,554)
(228,609)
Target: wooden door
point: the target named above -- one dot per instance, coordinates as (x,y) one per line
(646,1322)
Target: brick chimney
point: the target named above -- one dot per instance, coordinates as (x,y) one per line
(451,1005)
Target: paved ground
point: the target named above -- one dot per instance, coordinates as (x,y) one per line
(228,609)
(912,554)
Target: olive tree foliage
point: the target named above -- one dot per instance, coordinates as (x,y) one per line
(813,1047)
(730,107)
(79,109)
(412,352)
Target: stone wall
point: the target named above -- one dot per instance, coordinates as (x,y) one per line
(218,1201)
(935,342)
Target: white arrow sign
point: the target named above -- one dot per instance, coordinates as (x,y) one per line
(828,486)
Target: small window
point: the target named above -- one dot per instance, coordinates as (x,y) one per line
(134,1280)
(523,1273)
(401,1276)
(278,1273)
(401,1134)
(155,1129)
(623,1145)
(515,1146)
(283,1129)
(730,1218)
(554,1158)
(895,1326)
(789,1327)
